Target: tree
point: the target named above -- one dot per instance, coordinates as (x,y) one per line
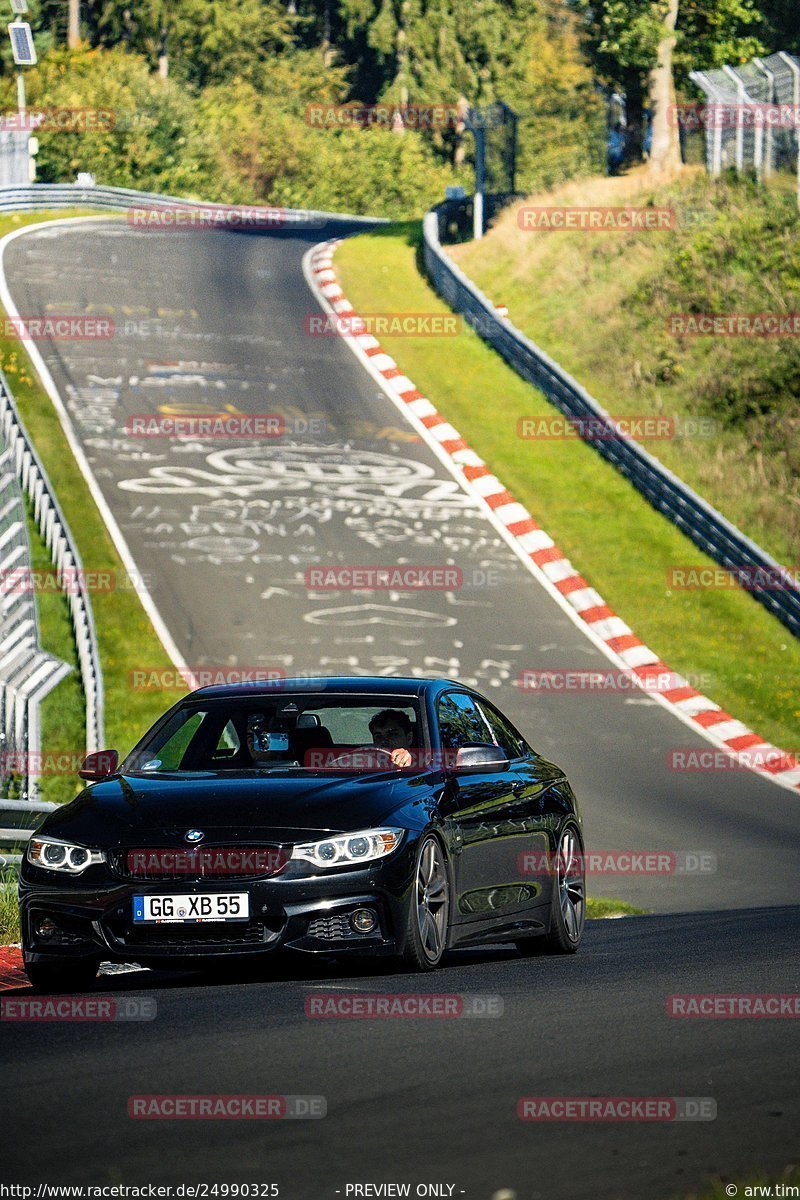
(665,150)
(208,42)
(641,47)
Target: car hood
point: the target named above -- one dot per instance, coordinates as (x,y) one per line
(234,806)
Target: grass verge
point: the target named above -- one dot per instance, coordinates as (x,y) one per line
(125,635)
(723,641)
(603,906)
(9,912)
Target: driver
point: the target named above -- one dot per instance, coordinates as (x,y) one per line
(392,730)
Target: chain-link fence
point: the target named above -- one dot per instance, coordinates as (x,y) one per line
(15,159)
(751,116)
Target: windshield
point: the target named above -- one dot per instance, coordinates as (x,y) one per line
(306,733)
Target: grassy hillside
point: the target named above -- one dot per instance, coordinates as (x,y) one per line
(601,304)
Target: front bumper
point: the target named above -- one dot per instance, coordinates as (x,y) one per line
(309,914)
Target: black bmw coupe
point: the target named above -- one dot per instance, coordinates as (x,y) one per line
(378,816)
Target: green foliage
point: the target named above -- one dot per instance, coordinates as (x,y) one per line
(744,258)
(622,36)
(150,122)
(249,148)
(229,120)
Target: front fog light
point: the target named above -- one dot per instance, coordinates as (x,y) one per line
(363,920)
(45,928)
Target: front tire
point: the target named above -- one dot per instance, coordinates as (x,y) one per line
(428,921)
(63,975)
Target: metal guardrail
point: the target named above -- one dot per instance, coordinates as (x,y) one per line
(18,835)
(72,195)
(64,555)
(706,527)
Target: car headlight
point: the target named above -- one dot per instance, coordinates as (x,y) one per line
(349,848)
(55,855)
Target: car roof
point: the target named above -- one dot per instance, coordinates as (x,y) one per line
(348,685)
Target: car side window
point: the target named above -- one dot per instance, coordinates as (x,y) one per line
(504,732)
(228,745)
(460,721)
(173,751)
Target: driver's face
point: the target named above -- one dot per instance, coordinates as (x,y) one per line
(391,735)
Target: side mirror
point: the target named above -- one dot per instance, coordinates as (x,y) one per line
(483,757)
(100,764)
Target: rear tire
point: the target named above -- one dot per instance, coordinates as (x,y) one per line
(424,938)
(63,975)
(568,910)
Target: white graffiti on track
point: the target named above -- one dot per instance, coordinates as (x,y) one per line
(335,471)
(379,614)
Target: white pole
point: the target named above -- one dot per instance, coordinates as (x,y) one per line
(740,95)
(762,66)
(477,215)
(795,69)
(716,139)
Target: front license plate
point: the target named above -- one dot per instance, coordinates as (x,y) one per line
(213,906)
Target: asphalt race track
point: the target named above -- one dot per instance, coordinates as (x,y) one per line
(223,533)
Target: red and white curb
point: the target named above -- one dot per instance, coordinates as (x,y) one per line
(541,555)
(12,973)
